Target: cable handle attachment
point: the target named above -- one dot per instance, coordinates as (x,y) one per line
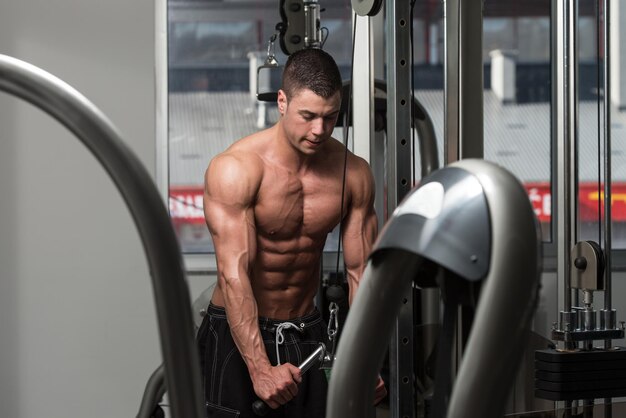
(261,409)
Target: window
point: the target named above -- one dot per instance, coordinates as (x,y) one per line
(213,50)
(517,95)
(591,132)
(517,98)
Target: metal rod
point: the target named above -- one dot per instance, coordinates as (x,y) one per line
(574,138)
(146,206)
(558,133)
(608,246)
(572,133)
(315,357)
(452,130)
(566,147)
(463,126)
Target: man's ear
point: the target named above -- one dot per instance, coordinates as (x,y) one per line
(281,101)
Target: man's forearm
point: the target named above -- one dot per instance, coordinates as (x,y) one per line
(243,319)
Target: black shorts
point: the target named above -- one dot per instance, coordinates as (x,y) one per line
(228,389)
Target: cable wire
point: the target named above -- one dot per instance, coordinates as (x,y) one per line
(346,130)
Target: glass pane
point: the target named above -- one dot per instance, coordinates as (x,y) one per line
(517,102)
(428,73)
(517,97)
(590,134)
(591,129)
(618,123)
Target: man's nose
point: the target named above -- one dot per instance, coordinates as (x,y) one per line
(317,126)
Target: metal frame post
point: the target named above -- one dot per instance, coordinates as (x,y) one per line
(463,87)
(399,175)
(566,132)
(463,128)
(606,18)
(362,89)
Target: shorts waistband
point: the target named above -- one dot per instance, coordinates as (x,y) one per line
(270,324)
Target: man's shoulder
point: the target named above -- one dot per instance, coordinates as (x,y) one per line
(359,178)
(357,166)
(245,151)
(238,157)
(234,168)
(248,149)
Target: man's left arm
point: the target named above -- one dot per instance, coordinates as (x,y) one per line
(359,233)
(360,223)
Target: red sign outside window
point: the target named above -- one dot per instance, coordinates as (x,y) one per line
(185,203)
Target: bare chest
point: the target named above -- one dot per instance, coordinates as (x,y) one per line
(292,207)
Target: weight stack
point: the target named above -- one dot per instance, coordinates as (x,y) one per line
(570,375)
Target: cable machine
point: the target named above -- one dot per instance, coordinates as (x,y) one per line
(576,370)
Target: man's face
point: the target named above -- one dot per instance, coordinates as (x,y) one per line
(308,119)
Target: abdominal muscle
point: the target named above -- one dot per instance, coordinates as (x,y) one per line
(284,283)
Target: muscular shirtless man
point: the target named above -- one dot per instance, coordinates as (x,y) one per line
(270,201)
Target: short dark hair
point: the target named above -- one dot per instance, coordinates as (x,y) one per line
(312,69)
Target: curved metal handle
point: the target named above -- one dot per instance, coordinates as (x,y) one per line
(155,389)
(80,116)
(507,302)
(367,330)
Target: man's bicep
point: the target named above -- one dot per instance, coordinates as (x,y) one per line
(361,221)
(361,224)
(229,214)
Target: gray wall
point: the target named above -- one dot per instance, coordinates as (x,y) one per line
(78,334)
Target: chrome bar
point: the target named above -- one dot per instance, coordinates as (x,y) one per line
(573,130)
(315,357)
(146,206)
(452,65)
(463,127)
(608,245)
(362,90)
(557,23)
(565,128)
(161,98)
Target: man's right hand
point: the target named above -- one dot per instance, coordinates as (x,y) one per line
(277,385)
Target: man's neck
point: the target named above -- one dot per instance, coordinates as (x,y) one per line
(287,155)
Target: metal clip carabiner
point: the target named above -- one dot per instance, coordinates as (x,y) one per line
(271,54)
(333,321)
